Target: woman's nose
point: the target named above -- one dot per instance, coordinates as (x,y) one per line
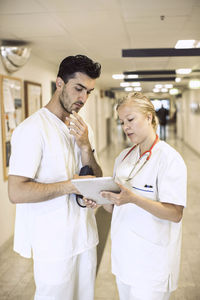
(125,127)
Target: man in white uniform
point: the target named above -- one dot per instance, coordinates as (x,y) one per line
(48,149)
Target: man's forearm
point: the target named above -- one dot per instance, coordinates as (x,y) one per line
(87,157)
(24,190)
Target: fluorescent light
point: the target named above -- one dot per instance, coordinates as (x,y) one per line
(137,88)
(183,71)
(194,84)
(128,89)
(178,79)
(158,86)
(124,84)
(156,90)
(132,76)
(169,86)
(184,44)
(164,90)
(135,83)
(174,91)
(118,76)
(181,44)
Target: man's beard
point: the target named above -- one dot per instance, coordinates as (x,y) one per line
(65,109)
(69,108)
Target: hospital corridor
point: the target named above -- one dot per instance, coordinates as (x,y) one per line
(109,88)
(16,278)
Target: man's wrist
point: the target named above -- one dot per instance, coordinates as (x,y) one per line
(86,149)
(71,189)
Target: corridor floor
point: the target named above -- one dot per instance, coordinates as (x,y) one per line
(16,279)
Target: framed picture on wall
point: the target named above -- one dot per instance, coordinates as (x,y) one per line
(32,97)
(12,113)
(53,87)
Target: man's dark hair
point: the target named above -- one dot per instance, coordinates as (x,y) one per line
(78,63)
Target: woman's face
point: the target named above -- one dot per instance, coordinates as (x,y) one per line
(135,124)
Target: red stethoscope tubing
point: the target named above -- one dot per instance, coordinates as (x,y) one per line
(155,141)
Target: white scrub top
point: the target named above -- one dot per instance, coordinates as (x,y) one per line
(146,249)
(43,149)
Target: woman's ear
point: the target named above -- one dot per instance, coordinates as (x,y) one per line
(149,117)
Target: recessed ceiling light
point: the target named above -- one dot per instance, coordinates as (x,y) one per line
(135,83)
(198,45)
(137,88)
(156,90)
(174,91)
(185,44)
(118,76)
(183,71)
(178,79)
(123,84)
(181,44)
(158,86)
(194,84)
(128,89)
(169,86)
(132,76)
(164,90)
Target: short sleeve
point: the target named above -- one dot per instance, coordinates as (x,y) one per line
(172,181)
(26,151)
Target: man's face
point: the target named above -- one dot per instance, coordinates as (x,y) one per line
(75,92)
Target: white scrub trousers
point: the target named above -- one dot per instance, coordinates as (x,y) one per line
(128,292)
(69,279)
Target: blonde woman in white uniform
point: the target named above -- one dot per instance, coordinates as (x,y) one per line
(146,221)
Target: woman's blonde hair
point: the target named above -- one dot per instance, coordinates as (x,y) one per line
(143,104)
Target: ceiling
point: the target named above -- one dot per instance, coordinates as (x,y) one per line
(102,28)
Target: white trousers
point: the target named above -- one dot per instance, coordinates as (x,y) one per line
(69,279)
(128,292)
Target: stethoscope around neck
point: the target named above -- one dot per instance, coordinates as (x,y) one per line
(144,157)
(148,151)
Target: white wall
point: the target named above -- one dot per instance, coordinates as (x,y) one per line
(188,122)
(38,71)
(95,112)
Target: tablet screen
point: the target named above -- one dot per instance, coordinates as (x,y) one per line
(90,188)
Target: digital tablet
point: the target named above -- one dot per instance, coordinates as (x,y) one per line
(90,188)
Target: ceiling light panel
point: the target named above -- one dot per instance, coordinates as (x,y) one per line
(181,44)
(118,76)
(183,71)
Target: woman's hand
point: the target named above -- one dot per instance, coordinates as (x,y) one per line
(165,211)
(124,197)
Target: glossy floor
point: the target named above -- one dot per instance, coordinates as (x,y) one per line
(16,279)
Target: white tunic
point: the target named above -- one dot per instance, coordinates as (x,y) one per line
(43,149)
(146,249)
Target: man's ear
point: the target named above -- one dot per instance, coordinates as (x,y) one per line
(59,83)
